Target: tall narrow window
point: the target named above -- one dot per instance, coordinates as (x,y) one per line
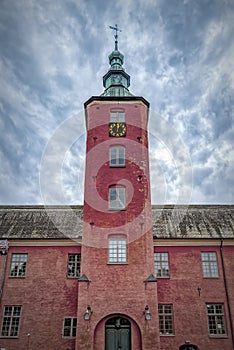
(166,323)
(10,322)
(73,266)
(209,264)
(117,156)
(18,265)
(117,198)
(69,327)
(161,265)
(117,250)
(117,116)
(216,320)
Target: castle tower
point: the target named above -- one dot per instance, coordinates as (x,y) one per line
(117,300)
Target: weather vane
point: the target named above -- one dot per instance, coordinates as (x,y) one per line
(116,35)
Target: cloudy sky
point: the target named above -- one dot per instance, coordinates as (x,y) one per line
(180,56)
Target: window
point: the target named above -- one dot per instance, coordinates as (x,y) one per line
(209,264)
(117,156)
(216,322)
(69,327)
(18,265)
(117,248)
(166,323)
(117,116)
(161,265)
(10,322)
(73,266)
(117,198)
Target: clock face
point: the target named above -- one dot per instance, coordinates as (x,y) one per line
(117,129)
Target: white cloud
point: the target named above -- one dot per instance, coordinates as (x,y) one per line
(53,57)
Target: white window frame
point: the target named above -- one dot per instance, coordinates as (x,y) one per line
(73,265)
(117,197)
(161,265)
(18,265)
(117,250)
(117,117)
(216,317)
(166,319)
(117,160)
(209,265)
(11,321)
(71,328)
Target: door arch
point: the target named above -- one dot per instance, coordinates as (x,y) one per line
(188,347)
(118,333)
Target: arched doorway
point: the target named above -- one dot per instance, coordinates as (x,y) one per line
(188,347)
(118,334)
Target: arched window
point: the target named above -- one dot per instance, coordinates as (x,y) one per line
(117,197)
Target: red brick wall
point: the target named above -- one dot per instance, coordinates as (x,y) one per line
(181,290)
(117,289)
(46,296)
(99,176)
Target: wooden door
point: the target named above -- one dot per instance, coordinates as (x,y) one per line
(118,334)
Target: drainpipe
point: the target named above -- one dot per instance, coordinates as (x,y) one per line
(3,244)
(226,291)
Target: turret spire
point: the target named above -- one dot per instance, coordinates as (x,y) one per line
(116,35)
(116,81)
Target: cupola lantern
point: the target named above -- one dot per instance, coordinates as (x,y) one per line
(116,81)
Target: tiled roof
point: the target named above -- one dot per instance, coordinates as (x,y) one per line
(204,221)
(39,222)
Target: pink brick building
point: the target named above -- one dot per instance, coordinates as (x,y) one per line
(192,300)
(117,273)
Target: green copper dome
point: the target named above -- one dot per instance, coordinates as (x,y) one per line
(116,81)
(116,58)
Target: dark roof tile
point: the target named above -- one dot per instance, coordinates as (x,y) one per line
(39,222)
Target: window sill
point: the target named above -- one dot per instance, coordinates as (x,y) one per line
(163,277)
(117,263)
(167,335)
(20,277)
(115,209)
(216,336)
(67,337)
(117,166)
(6,337)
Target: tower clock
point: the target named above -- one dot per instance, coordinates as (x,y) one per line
(117,291)
(117,129)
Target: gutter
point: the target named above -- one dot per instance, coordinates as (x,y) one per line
(3,251)
(226,291)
